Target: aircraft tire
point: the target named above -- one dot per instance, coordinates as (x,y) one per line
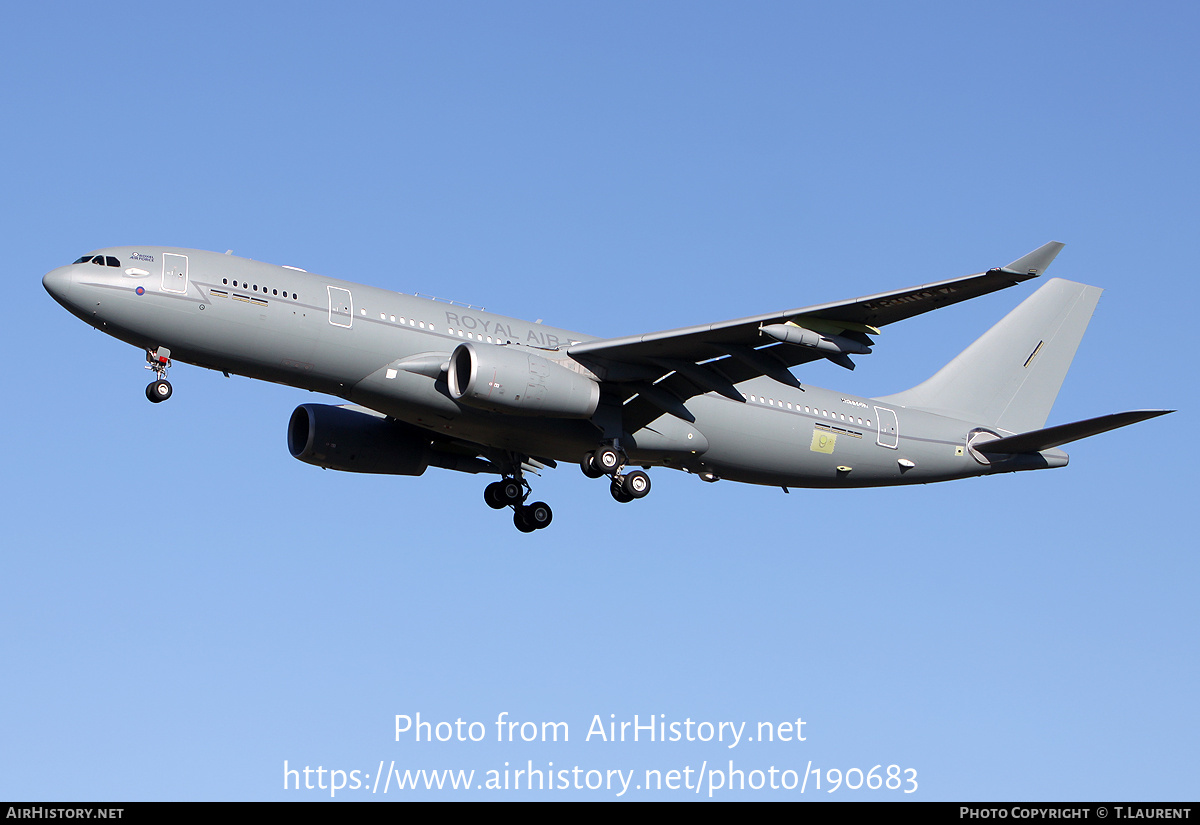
(636,484)
(589,467)
(491,494)
(521,520)
(510,492)
(538,514)
(607,460)
(158,391)
(618,492)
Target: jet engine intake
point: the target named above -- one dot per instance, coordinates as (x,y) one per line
(512,380)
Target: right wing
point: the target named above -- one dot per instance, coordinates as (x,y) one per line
(659,371)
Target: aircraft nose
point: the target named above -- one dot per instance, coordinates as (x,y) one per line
(58,283)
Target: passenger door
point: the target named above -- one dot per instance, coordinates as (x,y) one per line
(341,307)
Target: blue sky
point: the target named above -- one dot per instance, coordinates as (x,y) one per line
(186,606)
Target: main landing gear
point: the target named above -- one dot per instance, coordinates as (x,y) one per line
(608,461)
(513,492)
(158,360)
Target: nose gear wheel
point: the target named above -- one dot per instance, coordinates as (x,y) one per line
(158,360)
(158,391)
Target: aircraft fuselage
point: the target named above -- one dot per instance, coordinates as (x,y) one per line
(387,351)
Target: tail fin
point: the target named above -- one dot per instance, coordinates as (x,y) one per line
(1010,377)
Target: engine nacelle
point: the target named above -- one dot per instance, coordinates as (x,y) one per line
(511,380)
(338,438)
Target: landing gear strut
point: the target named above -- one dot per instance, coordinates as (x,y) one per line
(158,360)
(609,461)
(513,491)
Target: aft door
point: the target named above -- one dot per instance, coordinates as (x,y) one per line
(175,273)
(341,307)
(889,428)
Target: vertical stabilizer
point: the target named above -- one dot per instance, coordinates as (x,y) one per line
(1010,377)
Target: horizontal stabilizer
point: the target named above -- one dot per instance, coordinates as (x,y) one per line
(1038,440)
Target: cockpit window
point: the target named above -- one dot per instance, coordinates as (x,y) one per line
(99,260)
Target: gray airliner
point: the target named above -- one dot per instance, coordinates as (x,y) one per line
(434,383)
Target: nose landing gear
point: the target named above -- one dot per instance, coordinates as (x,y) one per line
(158,360)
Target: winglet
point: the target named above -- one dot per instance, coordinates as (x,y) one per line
(1035,262)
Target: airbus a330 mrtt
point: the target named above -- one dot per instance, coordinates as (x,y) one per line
(440,384)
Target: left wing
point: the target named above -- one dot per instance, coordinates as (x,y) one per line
(666,368)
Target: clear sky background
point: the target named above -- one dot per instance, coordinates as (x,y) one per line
(185,606)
